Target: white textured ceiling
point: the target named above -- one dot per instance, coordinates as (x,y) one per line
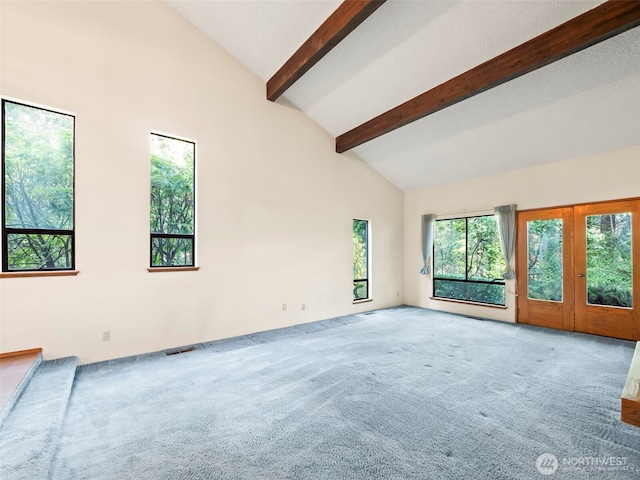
(586,103)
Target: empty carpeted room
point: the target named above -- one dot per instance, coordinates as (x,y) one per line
(320,239)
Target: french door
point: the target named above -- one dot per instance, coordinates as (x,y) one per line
(579,268)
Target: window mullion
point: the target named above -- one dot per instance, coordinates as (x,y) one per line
(466,249)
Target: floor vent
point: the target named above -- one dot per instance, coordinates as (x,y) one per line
(176,352)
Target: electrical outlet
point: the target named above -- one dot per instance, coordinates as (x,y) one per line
(106,336)
(397,294)
(284,307)
(304,307)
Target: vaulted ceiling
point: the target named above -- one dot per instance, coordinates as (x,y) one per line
(585,103)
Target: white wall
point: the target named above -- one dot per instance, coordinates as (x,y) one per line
(606,176)
(274,203)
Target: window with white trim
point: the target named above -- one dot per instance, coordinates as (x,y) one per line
(172,201)
(37,189)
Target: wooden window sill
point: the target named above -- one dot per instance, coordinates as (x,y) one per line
(40,273)
(465,302)
(172,269)
(364,300)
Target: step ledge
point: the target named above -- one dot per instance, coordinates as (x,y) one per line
(15,396)
(30,435)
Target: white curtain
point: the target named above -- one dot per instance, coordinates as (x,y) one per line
(428,233)
(506,221)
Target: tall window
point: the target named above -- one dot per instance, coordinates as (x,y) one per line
(172,202)
(361,260)
(37,189)
(467,260)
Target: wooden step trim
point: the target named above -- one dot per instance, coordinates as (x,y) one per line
(630,408)
(21,352)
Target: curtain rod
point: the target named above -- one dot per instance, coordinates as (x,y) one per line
(466,213)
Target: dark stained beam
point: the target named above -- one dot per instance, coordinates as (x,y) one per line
(603,22)
(340,23)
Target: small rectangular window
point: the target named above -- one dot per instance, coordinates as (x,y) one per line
(172,202)
(361,284)
(38,189)
(468,261)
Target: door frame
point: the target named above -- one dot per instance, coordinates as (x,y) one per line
(592,318)
(570,317)
(544,313)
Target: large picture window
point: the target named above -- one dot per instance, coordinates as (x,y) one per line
(467,260)
(361,285)
(172,202)
(37,189)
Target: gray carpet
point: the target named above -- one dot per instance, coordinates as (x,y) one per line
(29,434)
(403,393)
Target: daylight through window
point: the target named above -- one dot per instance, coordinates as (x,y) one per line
(172,202)
(38,193)
(360,260)
(467,260)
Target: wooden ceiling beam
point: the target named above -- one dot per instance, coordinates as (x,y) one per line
(340,23)
(605,21)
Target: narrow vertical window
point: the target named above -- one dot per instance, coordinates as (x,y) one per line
(172,202)
(37,189)
(361,285)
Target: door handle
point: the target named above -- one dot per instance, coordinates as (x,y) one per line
(581,275)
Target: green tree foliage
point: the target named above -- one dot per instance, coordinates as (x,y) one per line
(609,265)
(473,292)
(485,260)
(360,259)
(545,259)
(468,249)
(38,179)
(172,200)
(449,248)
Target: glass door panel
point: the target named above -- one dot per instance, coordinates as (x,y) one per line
(544,262)
(609,260)
(605,272)
(544,254)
